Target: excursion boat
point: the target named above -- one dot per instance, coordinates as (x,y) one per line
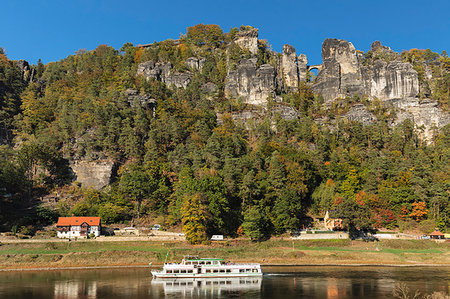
(192,267)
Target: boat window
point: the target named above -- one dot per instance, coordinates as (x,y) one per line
(176,271)
(222,270)
(190,271)
(228,270)
(183,271)
(208,282)
(241,270)
(169,271)
(255,270)
(216,271)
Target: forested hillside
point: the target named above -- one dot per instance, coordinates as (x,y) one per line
(200,157)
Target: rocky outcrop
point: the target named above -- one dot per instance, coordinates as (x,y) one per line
(163,72)
(360,114)
(247,39)
(302,62)
(424,113)
(93,174)
(195,64)
(343,73)
(27,72)
(289,68)
(285,112)
(209,87)
(254,85)
(136,99)
(395,80)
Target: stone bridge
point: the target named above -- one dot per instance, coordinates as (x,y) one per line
(317,67)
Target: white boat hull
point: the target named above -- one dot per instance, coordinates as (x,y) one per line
(158,274)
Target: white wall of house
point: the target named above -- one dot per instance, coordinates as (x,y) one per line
(75,232)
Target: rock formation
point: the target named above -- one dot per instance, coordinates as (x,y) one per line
(289,68)
(302,62)
(93,174)
(424,113)
(195,64)
(136,99)
(27,72)
(343,74)
(247,39)
(253,84)
(163,72)
(396,80)
(360,114)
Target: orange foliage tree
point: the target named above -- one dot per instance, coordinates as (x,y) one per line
(419,210)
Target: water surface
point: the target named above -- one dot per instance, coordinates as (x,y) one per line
(277,282)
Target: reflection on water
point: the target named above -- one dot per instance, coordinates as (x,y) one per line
(75,289)
(205,287)
(278,282)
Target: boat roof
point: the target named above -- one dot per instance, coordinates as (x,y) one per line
(194,259)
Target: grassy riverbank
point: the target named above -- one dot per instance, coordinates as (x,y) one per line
(310,252)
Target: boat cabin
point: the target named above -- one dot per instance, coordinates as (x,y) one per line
(192,266)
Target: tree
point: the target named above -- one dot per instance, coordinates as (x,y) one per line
(255,224)
(195,217)
(200,34)
(419,210)
(137,184)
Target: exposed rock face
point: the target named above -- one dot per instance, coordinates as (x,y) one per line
(209,87)
(424,113)
(302,62)
(360,113)
(341,72)
(163,72)
(344,75)
(135,99)
(248,39)
(289,68)
(27,72)
(285,112)
(194,63)
(253,84)
(93,174)
(396,80)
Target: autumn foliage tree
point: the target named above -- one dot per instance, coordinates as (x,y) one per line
(201,34)
(419,210)
(195,217)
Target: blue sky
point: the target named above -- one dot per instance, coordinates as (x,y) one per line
(53,29)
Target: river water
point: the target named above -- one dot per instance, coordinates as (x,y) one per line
(277,282)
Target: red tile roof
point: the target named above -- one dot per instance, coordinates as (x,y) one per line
(436,233)
(71,221)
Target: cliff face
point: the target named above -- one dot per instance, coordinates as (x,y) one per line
(344,74)
(254,84)
(163,72)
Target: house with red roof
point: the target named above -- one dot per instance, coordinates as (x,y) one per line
(437,235)
(80,227)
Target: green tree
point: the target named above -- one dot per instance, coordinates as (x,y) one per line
(256,225)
